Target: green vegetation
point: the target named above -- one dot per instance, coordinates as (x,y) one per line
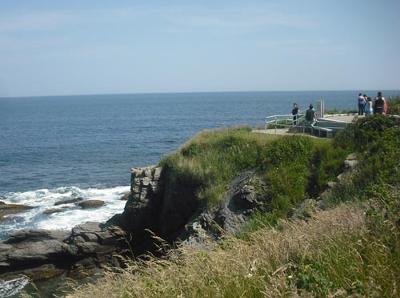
(340,111)
(394,106)
(293,167)
(280,124)
(351,249)
(212,158)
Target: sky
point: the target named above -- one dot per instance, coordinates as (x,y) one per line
(68,47)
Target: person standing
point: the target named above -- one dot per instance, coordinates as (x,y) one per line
(361,104)
(368,107)
(310,115)
(295,113)
(379,104)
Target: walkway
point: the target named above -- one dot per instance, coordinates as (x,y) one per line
(281,132)
(341,117)
(344,118)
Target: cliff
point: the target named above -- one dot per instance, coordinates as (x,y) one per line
(314,223)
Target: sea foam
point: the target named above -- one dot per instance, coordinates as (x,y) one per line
(71,214)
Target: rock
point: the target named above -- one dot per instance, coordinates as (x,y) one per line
(30,248)
(53,210)
(350,164)
(26,252)
(352,156)
(12,219)
(10,288)
(91,204)
(305,210)
(36,235)
(331,184)
(42,252)
(6,209)
(91,238)
(169,211)
(240,202)
(340,177)
(111,236)
(68,201)
(125,197)
(142,210)
(84,268)
(88,227)
(42,272)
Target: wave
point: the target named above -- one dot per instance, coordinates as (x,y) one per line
(65,216)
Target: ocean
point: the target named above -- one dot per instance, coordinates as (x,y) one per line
(57,147)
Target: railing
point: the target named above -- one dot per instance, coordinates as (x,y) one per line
(299,123)
(283,121)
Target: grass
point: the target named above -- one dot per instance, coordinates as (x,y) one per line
(210,160)
(394,106)
(265,265)
(340,111)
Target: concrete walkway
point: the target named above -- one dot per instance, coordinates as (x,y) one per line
(341,117)
(281,132)
(347,118)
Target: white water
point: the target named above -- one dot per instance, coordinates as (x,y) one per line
(44,199)
(12,287)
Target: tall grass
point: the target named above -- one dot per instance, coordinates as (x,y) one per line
(211,159)
(265,265)
(394,106)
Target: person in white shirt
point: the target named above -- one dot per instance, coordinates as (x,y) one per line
(361,104)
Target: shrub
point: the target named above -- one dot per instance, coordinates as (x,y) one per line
(213,158)
(394,106)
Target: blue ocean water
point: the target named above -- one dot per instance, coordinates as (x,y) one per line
(52,148)
(48,142)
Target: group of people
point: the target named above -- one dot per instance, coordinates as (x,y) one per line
(368,106)
(309,116)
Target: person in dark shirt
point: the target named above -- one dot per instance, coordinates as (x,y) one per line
(379,104)
(310,115)
(295,113)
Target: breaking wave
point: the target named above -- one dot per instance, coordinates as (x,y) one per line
(46,215)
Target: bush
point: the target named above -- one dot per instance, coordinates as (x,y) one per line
(394,106)
(292,167)
(359,135)
(213,159)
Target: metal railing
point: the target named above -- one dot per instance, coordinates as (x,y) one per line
(283,121)
(300,124)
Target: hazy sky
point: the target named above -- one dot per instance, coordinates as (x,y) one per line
(93,46)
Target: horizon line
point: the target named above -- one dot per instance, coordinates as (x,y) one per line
(191,92)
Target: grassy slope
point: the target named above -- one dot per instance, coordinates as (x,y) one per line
(264,265)
(343,251)
(294,167)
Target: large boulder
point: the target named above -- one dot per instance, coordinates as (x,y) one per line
(6,209)
(126,196)
(91,204)
(244,196)
(26,250)
(30,248)
(173,212)
(53,210)
(142,209)
(68,201)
